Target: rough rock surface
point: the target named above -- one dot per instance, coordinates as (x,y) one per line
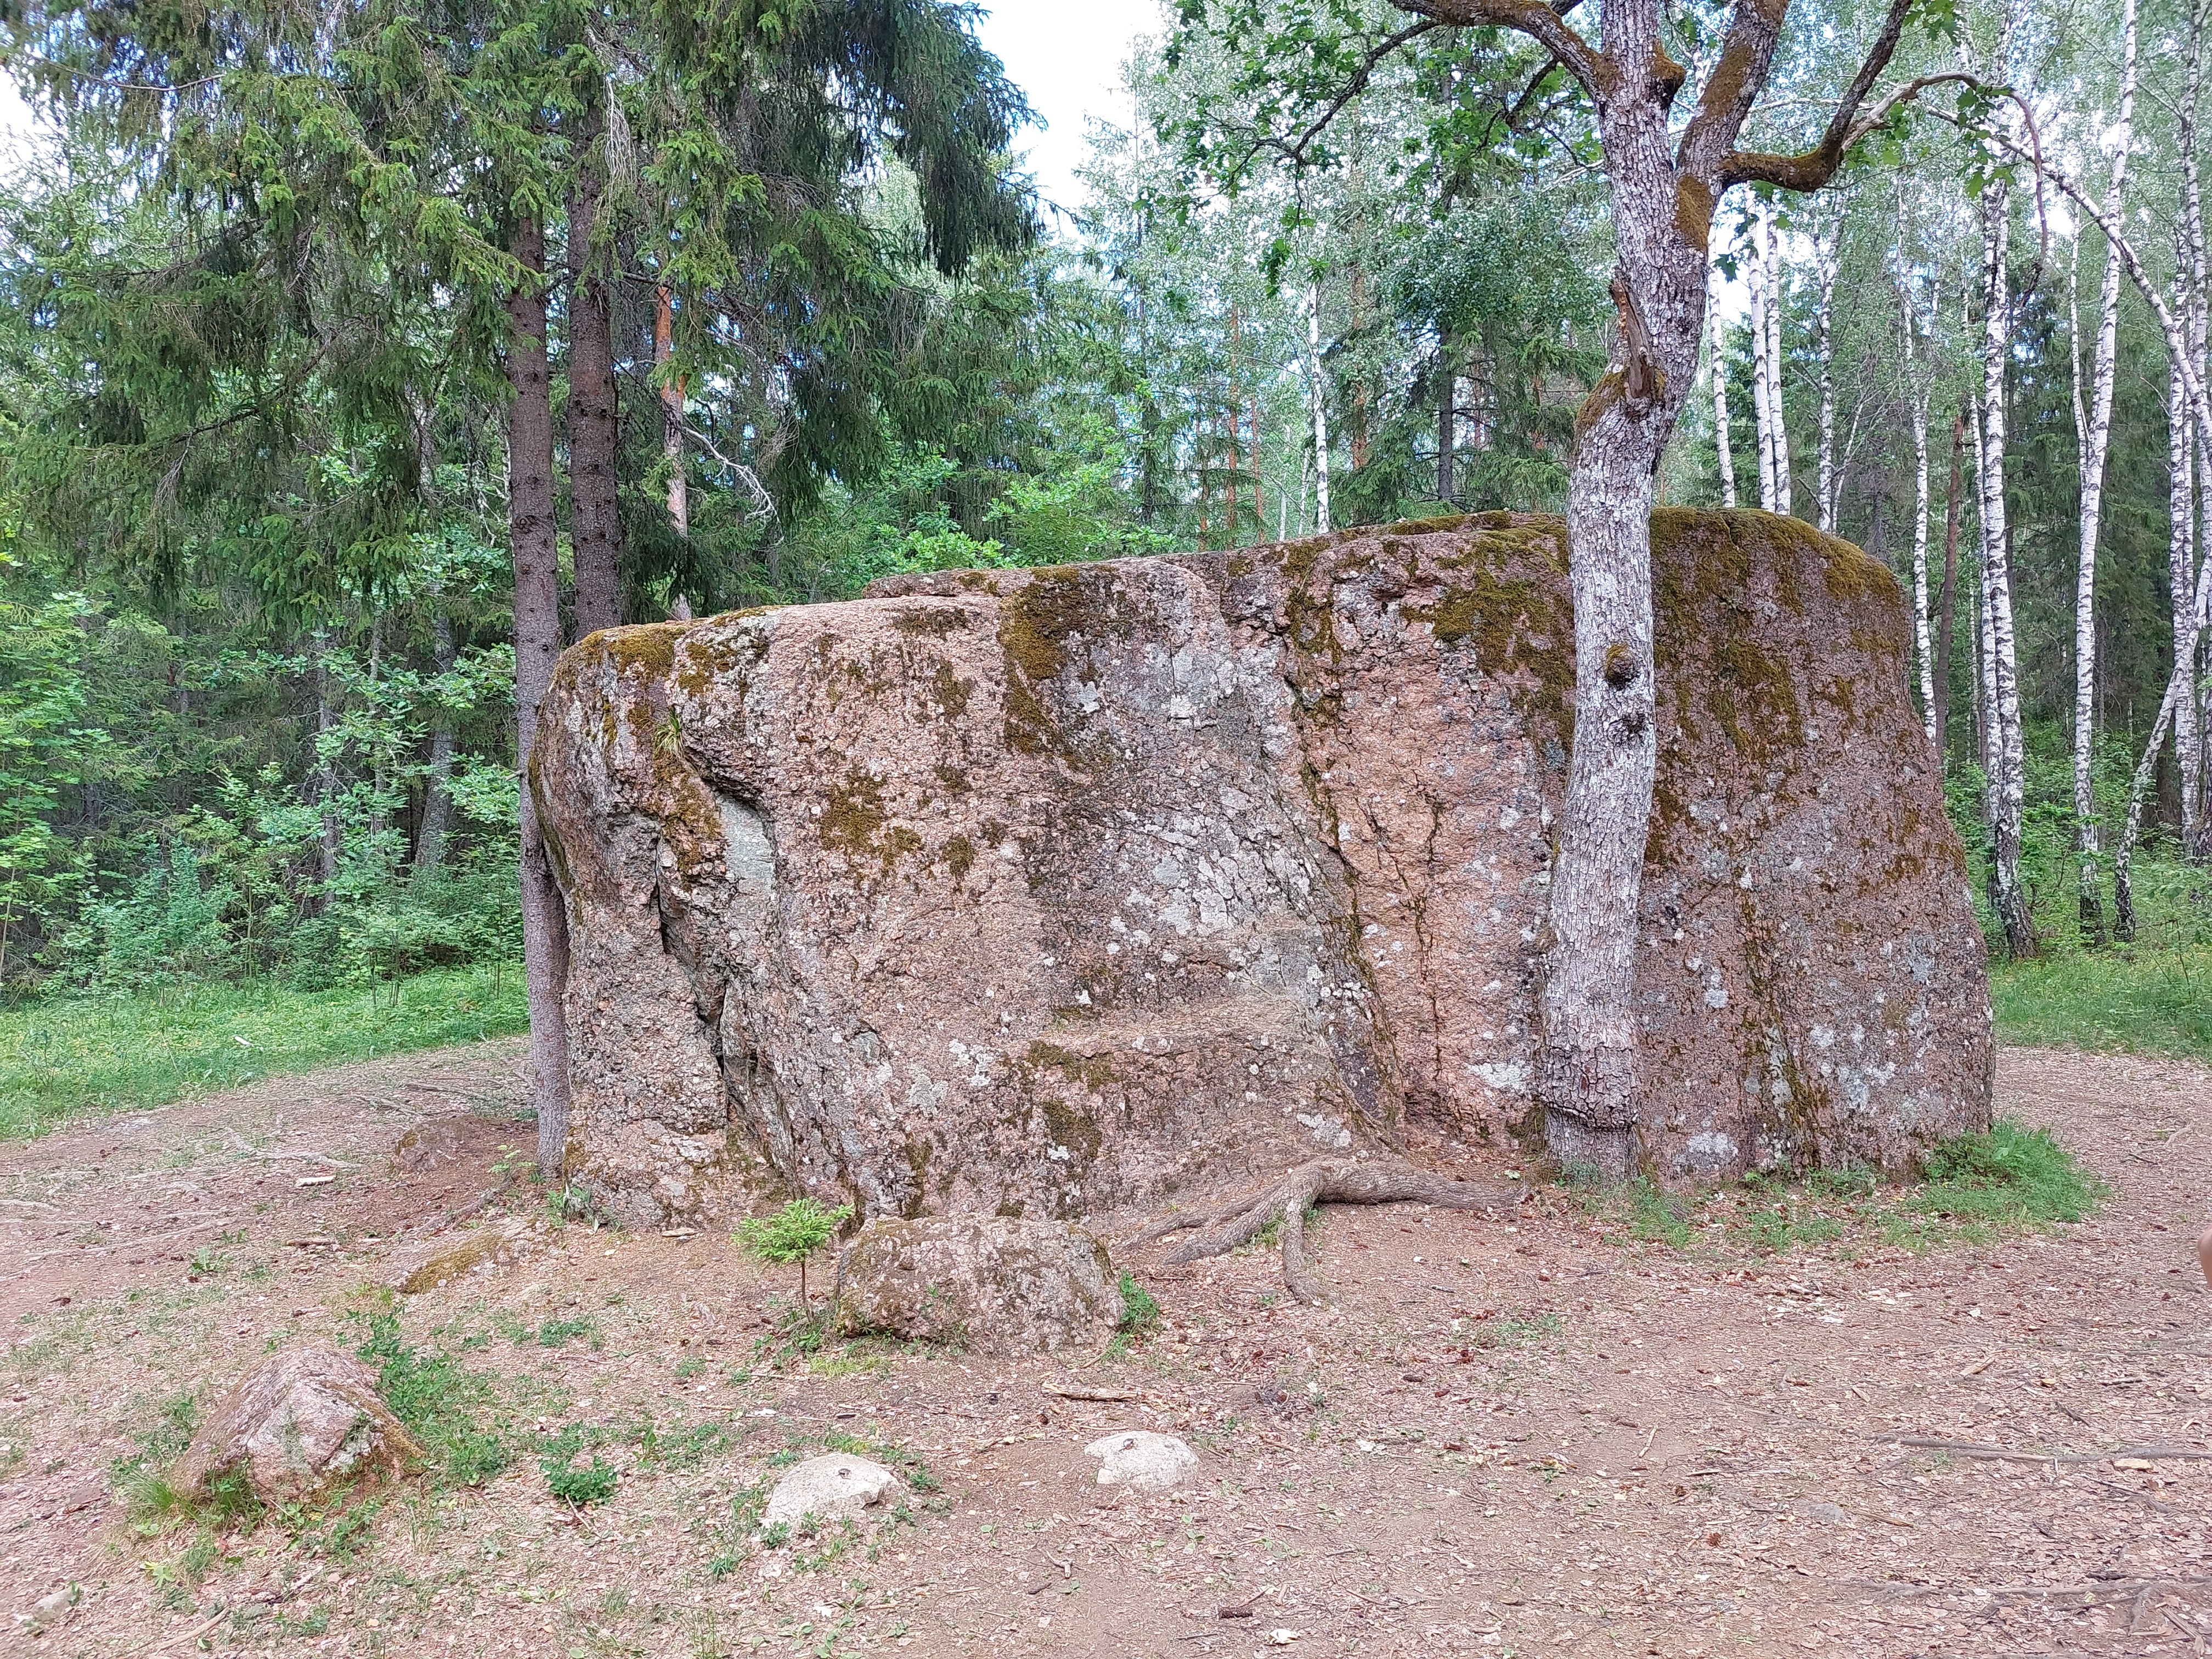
(1142,1460)
(303,1421)
(1063,892)
(996,1283)
(828,1488)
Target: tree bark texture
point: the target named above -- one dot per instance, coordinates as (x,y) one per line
(671,412)
(1770,255)
(1917,390)
(1447,430)
(1762,410)
(2196,296)
(1320,396)
(1946,602)
(1723,449)
(2007,756)
(594,443)
(1831,258)
(326,772)
(534,549)
(2097,428)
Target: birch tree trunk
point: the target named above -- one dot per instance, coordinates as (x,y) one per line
(535,553)
(1771,257)
(2095,426)
(1320,408)
(1946,602)
(2005,754)
(1917,387)
(326,772)
(1723,443)
(1831,254)
(2196,295)
(2181,564)
(1762,408)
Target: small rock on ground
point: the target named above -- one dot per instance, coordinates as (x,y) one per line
(1142,1460)
(993,1284)
(301,1422)
(828,1488)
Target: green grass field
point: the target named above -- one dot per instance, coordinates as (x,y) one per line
(2144,1001)
(63,1059)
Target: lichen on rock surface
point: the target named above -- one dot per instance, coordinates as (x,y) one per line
(1063,893)
(988,1284)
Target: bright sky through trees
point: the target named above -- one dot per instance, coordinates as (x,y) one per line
(1069,59)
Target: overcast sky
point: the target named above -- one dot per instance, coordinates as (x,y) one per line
(1067,55)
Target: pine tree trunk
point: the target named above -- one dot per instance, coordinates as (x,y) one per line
(1722,451)
(2007,757)
(533,547)
(594,441)
(437,799)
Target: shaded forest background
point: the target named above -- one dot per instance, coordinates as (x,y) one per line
(255,607)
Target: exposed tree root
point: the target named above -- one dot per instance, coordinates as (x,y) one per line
(1324,1180)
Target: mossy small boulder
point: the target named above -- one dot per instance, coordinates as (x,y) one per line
(989,1284)
(301,1424)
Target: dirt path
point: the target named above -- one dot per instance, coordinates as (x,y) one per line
(1501,1440)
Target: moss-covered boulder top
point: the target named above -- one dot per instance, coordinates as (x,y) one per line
(1064,892)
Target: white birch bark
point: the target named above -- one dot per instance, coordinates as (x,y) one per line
(1761,408)
(1831,258)
(1320,408)
(2188,720)
(1916,390)
(2094,426)
(1770,255)
(2007,760)
(1721,446)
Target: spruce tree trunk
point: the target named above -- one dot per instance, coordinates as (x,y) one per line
(1447,429)
(534,549)
(2007,756)
(594,440)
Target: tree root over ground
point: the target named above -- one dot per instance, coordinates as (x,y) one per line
(1324,1180)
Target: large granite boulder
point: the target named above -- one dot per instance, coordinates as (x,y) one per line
(1065,892)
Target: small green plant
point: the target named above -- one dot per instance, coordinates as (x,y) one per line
(441,1401)
(792,1234)
(1140,1311)
(554,1332)
(581,1485)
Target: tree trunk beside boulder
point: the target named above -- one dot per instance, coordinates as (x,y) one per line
(1073,892)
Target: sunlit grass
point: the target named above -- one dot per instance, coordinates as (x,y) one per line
(2147,1001)
(62,1059)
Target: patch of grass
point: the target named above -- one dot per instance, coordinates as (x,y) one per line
(441,1402)
(66,1058)
(1975,1188)
(1140,1311)
(2141,1001)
